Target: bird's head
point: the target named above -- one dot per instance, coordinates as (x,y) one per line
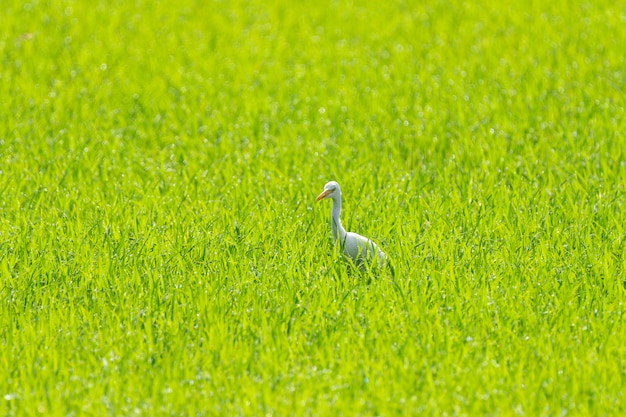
(331,189)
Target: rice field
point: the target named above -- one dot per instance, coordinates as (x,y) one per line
(162,253)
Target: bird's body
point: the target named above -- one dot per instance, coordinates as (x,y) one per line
(354,246)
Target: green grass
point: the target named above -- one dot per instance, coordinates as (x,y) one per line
(161,252)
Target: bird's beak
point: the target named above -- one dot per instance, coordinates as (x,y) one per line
(324,194)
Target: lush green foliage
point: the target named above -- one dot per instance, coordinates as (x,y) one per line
(161,252)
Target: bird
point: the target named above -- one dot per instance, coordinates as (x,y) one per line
(359,249)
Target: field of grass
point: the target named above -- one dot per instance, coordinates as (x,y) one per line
(161,252)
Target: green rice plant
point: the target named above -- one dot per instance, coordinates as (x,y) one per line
(161,252)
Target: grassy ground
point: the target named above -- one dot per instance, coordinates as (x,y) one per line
(161,252)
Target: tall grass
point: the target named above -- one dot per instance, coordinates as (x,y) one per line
(161,252)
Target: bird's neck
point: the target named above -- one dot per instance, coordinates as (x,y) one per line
(335,221)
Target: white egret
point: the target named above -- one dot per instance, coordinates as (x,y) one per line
(356,247)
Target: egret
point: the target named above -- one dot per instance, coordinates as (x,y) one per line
(356,247)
